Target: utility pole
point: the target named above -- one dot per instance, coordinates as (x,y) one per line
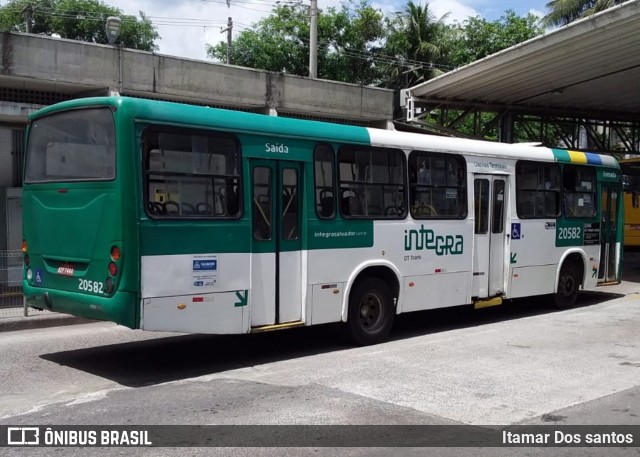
(228,30)
(28,17)
(313,41)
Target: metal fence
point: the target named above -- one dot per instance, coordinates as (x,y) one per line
(11,299)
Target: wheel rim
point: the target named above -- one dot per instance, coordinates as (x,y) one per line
(371,311)
(566,285)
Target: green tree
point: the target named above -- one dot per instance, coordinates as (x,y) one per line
(82,20)
(562,12)
(354,44)
(278,42)
(348,42)
(477,38)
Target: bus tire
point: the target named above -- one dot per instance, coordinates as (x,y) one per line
(371,312)
(568,286)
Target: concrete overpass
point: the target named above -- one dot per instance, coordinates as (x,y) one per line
(39,70)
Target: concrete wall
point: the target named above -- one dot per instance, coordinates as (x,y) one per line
(76,68)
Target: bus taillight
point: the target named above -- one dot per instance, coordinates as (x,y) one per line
(26,256)
(115,253)
(113,269)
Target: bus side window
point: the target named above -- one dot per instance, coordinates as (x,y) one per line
(351,204)
(537,190)
(262,181)
(437,186)
(231,199)
(372,182)
(191,173)
(324,172)
(526,209)
(326,209)
(579,190)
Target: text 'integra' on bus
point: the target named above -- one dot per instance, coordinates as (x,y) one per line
(169,217)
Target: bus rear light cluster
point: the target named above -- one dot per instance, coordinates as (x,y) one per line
(116,255)
(27,261)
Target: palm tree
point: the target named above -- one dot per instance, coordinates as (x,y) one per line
(423,31)
(562,12)
(416,39)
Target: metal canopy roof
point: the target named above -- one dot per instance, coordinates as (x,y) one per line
(588,68)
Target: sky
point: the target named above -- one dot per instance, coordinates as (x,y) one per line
(186,26)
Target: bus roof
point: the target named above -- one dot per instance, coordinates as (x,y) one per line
(240,121)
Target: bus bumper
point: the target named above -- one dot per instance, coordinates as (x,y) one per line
(120,308)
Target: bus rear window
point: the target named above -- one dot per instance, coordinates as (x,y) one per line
(76,145)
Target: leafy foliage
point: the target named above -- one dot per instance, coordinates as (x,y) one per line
(358,44)
(347,43)
(82,20)
(563,12)
(477,38)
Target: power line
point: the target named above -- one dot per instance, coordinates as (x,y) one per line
(377,58)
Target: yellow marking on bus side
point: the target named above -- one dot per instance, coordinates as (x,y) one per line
(577,157)
(487,303)
(609,283)
(272,327)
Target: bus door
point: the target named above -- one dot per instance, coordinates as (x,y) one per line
(607,272)
(490,235)
(276,266)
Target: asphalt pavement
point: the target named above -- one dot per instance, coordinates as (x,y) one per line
(518,364)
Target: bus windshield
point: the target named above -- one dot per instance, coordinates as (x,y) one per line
(76,145)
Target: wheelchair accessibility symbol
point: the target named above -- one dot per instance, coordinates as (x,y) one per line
(515,231)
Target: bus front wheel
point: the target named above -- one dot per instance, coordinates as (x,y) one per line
(568,286)
(371,312)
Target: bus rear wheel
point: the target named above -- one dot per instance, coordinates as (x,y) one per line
(371,312)
(568,286)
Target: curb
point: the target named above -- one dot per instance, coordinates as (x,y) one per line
(12,324)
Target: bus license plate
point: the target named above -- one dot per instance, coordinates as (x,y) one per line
(65,270)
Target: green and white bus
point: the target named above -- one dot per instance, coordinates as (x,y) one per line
(169,217)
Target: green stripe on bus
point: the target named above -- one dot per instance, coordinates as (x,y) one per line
(189,237)
(236,237)
(561,155)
